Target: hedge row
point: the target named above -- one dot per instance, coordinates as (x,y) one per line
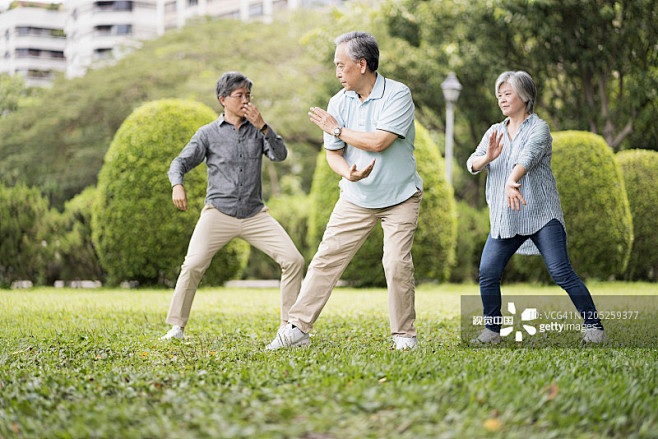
(139,235)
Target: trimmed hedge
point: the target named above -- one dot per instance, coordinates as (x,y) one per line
(138,232)
(472,231)
(24,235)
(595,206)
(639,169)
(434,243)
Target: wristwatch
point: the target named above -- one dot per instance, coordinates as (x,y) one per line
(262,130)
(337,131)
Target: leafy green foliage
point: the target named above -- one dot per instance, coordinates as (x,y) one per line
(595,206)
(89,364)
(640,179)
(13,92)
(472,232)
(57,143)
(594,62)
(433,251)
(594,202)
(137,231)
(77,258)
(24,235)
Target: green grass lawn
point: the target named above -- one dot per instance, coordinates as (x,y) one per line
(89,363)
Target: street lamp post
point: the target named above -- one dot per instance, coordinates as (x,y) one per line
(451,88)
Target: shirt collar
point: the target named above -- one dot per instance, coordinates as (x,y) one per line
(525,122)
(377,90)
(221,121)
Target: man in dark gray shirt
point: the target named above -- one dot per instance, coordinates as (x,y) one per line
(232,147)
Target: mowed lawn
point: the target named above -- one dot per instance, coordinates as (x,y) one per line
(89,363)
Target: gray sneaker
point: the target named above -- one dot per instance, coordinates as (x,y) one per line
(487,336)
(594,336)
(288,337)
(175,332)
(405,343)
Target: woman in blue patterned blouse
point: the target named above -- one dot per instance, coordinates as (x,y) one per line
(524,205)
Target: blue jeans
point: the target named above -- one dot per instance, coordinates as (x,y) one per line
(551,240)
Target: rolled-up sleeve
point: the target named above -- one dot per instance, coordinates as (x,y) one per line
(274,147)
(189,158)
(538,145)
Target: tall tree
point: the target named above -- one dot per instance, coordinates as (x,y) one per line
(595,61)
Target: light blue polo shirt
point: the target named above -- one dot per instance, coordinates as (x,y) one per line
(389,107)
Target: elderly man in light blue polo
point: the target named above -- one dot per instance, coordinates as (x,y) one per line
(369,137)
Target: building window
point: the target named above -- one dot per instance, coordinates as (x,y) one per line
(256,10)
(192,2)
(103,53)
(39,74)
(170,7)
(124,29)
(103,30)
(109,6)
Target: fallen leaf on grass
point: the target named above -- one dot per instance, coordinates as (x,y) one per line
(382,380)
(553,390)
(493,424)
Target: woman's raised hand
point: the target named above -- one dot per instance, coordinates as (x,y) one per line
(495,146)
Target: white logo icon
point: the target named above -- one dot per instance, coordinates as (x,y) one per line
(527,315)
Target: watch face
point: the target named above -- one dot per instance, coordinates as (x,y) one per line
(337,132)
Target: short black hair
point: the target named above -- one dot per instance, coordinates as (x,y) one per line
(230,81)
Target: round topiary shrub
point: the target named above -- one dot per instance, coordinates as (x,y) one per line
(434,243)
(138,232)
(595,207)
(641,180)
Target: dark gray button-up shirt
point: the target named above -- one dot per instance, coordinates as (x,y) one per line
(234,159)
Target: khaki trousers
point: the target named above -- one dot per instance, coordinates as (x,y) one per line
(348,228)
(212,232)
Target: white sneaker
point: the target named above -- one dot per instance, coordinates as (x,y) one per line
(488,336)
(175,332)
(594,335)
(288,337)
(405,343)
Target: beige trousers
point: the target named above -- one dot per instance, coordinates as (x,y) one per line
(212,232)
(348,228)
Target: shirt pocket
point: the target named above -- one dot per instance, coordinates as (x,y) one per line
(252,148)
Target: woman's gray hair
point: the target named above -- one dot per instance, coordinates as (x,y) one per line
(361,45)
(230,81)
(522,84)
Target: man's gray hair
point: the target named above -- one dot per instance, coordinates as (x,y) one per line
(522,84)
(230,81)
(361,45)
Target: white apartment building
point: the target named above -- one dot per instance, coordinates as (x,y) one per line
(83,34)
(100,31)
(32,42)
